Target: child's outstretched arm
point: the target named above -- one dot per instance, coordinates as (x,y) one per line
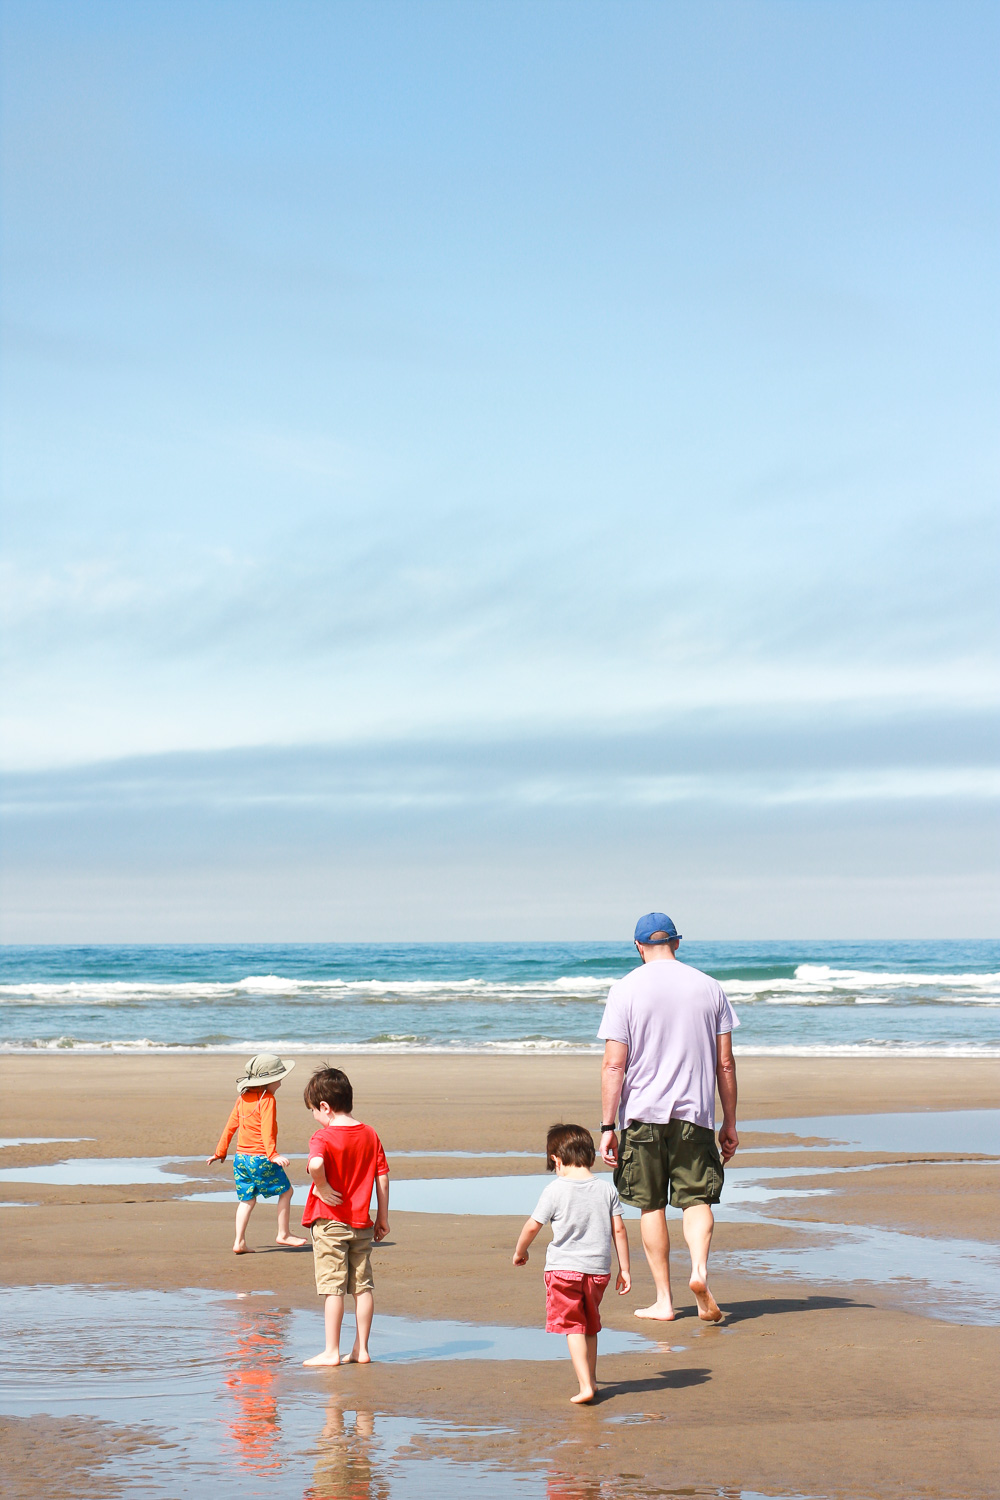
(381,1206)
(327,1194)
(623,1283)
(232,1125)
(524,1239)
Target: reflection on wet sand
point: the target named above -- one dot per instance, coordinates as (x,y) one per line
(347,1466)
(260,1339)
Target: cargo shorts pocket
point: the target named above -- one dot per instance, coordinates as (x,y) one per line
(636,1175)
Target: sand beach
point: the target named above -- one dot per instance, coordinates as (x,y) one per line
(811,1386)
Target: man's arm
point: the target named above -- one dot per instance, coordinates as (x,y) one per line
(612,1078)
(725,1077)
(381,1206)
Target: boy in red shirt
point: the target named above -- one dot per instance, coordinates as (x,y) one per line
(345,1161)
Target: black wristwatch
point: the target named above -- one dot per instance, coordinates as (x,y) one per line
(608,1127)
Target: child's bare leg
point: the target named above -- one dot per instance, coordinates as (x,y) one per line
(699,1221)
(580,1355)
(284,1209)
(364,1311)
(243,1212)
(592,1358)
(333,1316)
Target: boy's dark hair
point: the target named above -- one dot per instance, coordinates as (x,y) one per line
(573,1144)
(329,1086)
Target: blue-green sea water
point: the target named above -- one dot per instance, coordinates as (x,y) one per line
(932,998)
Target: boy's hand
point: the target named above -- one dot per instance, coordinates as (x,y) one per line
(210,1160)
(623,1284)
(280,1161)
(381,1228)
(522,1259)
(326,1194)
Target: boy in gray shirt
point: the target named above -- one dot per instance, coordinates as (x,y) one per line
(585,1213)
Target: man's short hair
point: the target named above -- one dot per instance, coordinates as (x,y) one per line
(572,1144)
(329,1086)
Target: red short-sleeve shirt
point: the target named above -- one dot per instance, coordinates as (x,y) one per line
(352,1158)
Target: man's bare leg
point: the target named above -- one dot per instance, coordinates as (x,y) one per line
(656,1244)
(699,1221)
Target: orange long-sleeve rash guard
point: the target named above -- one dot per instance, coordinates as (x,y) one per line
(255,1118)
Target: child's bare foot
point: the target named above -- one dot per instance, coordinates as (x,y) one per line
(290,1239)
(709,1310)
(242,1249)
(358,1357)
(326,1358)
(585,1395)
(663,1312)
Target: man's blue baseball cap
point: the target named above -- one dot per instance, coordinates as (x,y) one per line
(655,921)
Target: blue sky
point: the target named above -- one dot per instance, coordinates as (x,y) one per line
(474,469)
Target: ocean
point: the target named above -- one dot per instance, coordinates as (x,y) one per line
(824,998)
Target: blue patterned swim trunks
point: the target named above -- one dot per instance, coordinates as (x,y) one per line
(256,1177)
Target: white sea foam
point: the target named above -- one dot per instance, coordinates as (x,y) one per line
(811,984)
(515,1047)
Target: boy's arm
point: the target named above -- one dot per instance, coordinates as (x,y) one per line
(524,1239)
(321,1185)
(232,1124)
(623,1282)
(381,1206)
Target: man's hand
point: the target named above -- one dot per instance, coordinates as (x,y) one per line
(608,1149)
(381,1227)
(728,1142)
(522,1259)
(623,1283)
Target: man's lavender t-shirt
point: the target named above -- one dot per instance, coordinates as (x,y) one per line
(668,1015)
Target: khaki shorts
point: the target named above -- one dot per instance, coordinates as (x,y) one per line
(342,1258)
(677,1163)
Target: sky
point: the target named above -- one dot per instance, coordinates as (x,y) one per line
(483,470)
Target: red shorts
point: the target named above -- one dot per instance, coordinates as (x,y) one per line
(573,1301)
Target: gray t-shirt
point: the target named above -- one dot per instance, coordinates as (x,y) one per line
(579,1210)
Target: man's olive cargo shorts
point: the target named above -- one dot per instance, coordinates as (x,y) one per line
(677,1163)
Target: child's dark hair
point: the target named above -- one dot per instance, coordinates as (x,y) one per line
(573,1145)
(329,1086)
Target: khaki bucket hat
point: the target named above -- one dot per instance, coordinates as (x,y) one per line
(261,1070)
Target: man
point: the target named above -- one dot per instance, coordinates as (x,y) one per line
(667,1043)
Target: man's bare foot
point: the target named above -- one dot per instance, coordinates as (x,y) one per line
(663,1312)
(583,1397)
(323,1359)
(243,1249)
(709,1310)
(290,1239)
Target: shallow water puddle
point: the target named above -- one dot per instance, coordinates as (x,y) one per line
(972,1131)
(231,1409)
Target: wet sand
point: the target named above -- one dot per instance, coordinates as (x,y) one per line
(818,1390)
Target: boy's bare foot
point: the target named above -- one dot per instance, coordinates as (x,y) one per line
(709,1310)
(243,1249)
(583,1397)
(663,1312)
(358,1357)
(323,1359)
(290,1239)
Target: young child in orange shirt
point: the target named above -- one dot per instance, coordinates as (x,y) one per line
(257,1167)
